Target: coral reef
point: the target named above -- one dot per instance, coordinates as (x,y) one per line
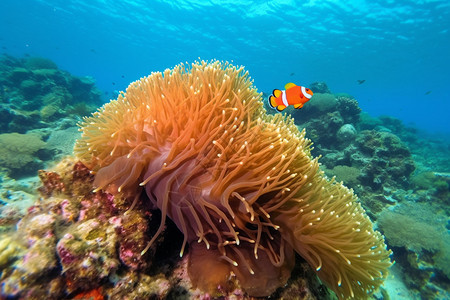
(421,246)
(240,185)
(39,108)
(326,116)
(319,87)
(390,166)
(36,94)
(19,153)
(346,134)
(23,155)
(74,244)
(390,160)
(335,125)
(73,232)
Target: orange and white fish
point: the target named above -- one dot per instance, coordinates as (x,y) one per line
(293,95)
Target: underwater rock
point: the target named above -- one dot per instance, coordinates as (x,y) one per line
(390,159)
(37,231)
(6,116)
(323,129)
(35,62)
(9,250)
(367,122)
(19,153)
(61,142)
(22,121)
(418,234)
(141,286)
(73,238)
(88,254)
(324,115)
(346,134)
(29,88)
(35,91)
(319,87)
(435,184)
(50,112)
(384,160)
(323,102)
(346,174)
(19,74)
(133,240)
(349,108)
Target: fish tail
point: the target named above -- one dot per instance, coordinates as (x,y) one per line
(272,101)
(277,93)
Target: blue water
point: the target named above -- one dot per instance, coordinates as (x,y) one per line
(401,48)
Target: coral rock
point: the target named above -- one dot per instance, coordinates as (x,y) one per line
(346,134)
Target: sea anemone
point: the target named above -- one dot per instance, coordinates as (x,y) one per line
(240,184)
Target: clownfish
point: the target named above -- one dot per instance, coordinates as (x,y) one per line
(293,95)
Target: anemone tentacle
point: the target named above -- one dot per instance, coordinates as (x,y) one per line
(241,185)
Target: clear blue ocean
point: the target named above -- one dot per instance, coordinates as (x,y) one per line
(191,187)
(400,48)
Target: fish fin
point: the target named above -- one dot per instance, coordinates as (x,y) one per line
(297,106)
(289,85)
(281,107)
(276,93)
(272,101)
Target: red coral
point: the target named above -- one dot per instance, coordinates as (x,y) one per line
(81,172)
(95,294)
(81,179)
(51,182)
(65,255)
(98,205)
(133,240)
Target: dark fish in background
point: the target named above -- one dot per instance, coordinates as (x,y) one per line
(361,81)
(123,76)
(427,92)
(292,74)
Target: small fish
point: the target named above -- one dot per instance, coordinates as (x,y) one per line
(361,81)
(293,95)
(428,92)
(292,74)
